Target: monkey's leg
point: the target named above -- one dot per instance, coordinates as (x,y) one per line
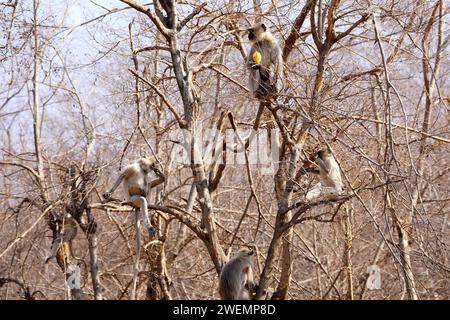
(262,92)
(331,192)
(314,192)
(151,229)
(254,81)
(337,190)
(265,87)
(244,295)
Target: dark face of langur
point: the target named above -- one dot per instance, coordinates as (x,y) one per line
(254,32)
(321,154)
(251,34)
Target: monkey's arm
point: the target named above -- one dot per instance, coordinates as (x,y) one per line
(323,165)
(305,170)
(161,178)
(122,176)
(276,74)
(55,245)
(250,279)
(307,166)
(249,63)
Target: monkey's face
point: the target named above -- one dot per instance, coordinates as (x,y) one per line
(245,252)
(256,33)
(251,34)
(323,154)
(145,164)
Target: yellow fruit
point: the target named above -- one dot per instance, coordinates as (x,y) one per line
(257,57)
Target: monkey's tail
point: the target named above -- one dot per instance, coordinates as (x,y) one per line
(138,255)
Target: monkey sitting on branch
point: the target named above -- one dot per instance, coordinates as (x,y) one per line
(66,230)
(264,62)
(137,186)
(330,181)
(236,278)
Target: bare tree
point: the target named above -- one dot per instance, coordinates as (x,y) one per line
(82,96)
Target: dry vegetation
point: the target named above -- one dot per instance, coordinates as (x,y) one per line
(83,94)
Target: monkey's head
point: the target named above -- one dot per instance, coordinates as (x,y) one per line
(245,252)
(323,154)
(146,164)
(258,32)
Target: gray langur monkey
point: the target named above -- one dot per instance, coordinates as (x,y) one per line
(67,232)
(137,186)
(330,181)
(236,278)
(264,62)
(329,172)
